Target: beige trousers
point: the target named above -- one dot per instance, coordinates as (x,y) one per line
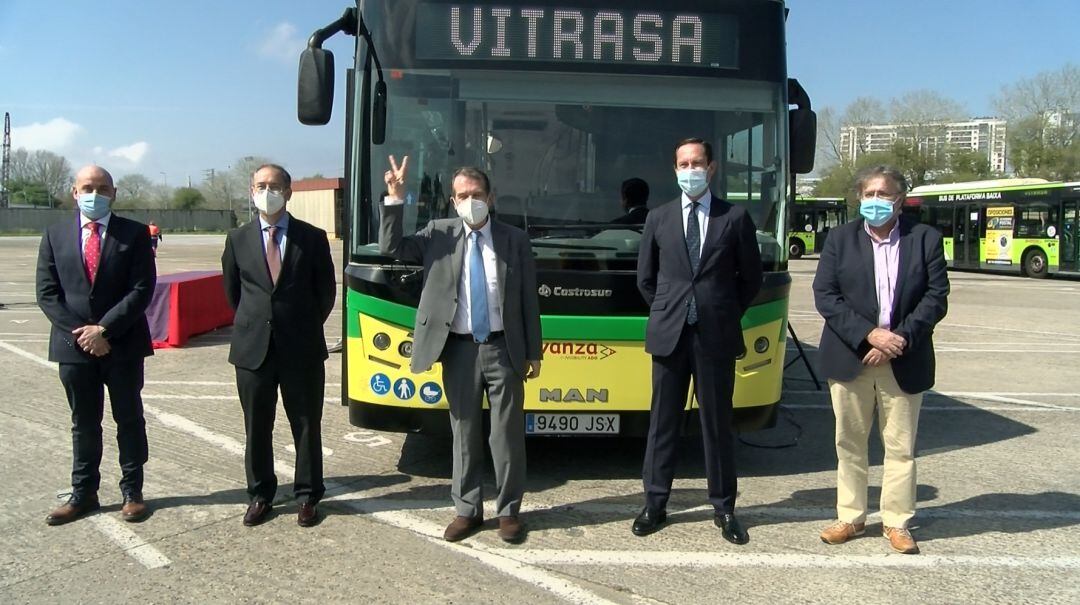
(854,403)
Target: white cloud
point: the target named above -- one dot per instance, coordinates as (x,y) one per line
(133,153)
(282,44)
(56,135)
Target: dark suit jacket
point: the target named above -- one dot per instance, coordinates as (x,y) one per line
(294,310)
(634,216)
(440,249)
(846,296)
(729,276)
(118,299)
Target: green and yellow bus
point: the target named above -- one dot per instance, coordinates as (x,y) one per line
(559,102)
(809,223)
(1024,226)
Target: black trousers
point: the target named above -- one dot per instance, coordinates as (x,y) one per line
(85,385)
(714,385)
(302,395)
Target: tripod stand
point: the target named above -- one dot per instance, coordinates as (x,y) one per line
(802,356)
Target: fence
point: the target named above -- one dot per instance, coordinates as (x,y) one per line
(34,220)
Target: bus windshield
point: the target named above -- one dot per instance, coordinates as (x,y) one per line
(558,146)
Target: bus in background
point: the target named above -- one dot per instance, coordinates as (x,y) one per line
(1024,226)
(811,218)
(559,102)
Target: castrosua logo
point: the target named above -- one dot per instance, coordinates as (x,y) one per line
(546,291)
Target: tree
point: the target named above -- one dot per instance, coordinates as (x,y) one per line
(134,191)
(187,198)
(26,193)
(46,168)
(229,189)
(1044,123)
(967,166)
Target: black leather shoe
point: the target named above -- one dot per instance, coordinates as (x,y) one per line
(731,529)
(648,521)
(308,515)
(256,513)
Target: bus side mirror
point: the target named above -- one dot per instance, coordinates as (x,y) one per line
(802,130)
(315,87)
(378,114)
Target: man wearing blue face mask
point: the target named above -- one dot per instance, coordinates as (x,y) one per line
(881,286)
(699,268)
(95,278)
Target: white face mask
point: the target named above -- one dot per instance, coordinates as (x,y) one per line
(472,210)
(268,202)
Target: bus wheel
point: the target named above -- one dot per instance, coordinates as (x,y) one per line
(1035,264)
(795,248)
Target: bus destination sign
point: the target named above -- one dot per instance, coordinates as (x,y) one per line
(614,36)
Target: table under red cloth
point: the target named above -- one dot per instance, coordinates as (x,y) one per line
(186,304)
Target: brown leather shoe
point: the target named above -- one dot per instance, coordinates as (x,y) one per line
(841,532)
(511,530)
(74,508)
(461,528)
(256,513)
(134,509)
(901,541)
(308,515)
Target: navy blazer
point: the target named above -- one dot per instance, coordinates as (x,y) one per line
(122,289)
(294,310)
(728,278)
(846,296)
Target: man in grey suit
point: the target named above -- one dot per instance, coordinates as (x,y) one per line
(480,316)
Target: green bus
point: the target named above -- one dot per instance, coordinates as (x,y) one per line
(559,102)
(810,219)
(1023,226)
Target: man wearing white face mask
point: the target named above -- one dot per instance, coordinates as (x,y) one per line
(279,278)
(95,278)
(479,315)
(699,268)
(881,286)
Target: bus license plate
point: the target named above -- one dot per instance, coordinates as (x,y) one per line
(572,424)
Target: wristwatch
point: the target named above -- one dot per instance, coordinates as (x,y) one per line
(104,333)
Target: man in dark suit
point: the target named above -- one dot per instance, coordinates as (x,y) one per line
(95,279)
(279,278)
(634,199)
(881,286)
(699,268)
(479,315)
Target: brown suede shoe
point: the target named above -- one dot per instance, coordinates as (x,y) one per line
(511,530)
(134,509)
(461,528)
(901,541)
(841,532)
(74,508)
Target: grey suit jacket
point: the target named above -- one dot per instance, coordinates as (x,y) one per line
(440,249)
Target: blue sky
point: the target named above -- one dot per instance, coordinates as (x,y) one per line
(169,89)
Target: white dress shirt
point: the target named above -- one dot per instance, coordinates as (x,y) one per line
(103,223)
(282,233)
(462,323)
(704,203)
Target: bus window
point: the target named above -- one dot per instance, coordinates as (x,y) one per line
(801,220)
(941,219)
(1036,221)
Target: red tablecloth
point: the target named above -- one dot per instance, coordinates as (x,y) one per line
(186,304)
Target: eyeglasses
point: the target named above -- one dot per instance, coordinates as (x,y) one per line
(261,187)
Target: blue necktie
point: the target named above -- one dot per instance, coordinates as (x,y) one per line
(478,302)
(693,248)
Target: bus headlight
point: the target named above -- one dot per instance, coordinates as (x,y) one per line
(405,349)
(381,341)
(761,344)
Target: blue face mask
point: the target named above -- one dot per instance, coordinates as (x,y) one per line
(876,211)
(93,205)
(693,181)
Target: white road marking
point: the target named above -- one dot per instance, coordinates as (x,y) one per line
(1066,337)
(28,355)
(134,546)
(215,383)
(639,558)
(25,340)
(985,396)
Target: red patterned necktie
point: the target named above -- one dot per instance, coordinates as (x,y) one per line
(92,253)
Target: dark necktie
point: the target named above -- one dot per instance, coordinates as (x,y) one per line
(92,253)
(478,302)
(273,254)
(693,248)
